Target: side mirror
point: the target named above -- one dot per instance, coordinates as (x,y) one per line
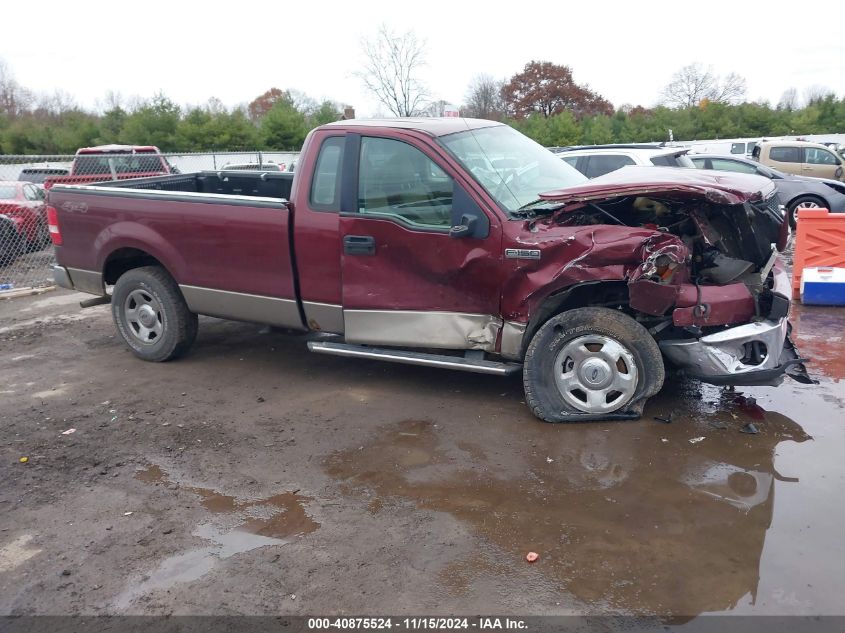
(468,220)
(465,228)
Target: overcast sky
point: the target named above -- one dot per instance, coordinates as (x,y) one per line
(627,51)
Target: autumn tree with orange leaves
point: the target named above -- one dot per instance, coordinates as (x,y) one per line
(547,89)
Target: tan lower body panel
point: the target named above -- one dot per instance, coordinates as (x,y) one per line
(512,335)
(242,307)
(405,328)
(323,317)
(87,281)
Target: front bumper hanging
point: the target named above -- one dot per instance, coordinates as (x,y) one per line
(719,358)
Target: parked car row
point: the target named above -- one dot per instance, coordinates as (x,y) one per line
(795,192)
(598,160)
(807,175)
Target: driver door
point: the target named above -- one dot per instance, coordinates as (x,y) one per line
(406,280)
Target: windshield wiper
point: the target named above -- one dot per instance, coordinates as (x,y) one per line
(531,209)
(530,204)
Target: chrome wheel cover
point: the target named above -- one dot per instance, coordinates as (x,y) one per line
(595,374)
(143,316)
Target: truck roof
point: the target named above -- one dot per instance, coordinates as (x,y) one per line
(118,149)
(435,126)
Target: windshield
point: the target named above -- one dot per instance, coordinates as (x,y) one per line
(7,193)
(511,167)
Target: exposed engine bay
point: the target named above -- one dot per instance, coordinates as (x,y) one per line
(721,251)
(706,267)
(726,243)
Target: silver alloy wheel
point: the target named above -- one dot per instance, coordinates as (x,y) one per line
(143,316)
(809,204)
(595,374)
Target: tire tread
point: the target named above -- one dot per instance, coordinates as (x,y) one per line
(642,344)
(184,322)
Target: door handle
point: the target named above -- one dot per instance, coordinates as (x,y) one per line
(359,245)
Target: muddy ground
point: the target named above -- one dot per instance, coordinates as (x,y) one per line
(255,478)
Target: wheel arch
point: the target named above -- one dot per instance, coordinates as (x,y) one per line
(123,246)
(816,196)
(581,295)
(124,259)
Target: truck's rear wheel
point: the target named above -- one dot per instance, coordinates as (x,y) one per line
(151,314)
(589,363)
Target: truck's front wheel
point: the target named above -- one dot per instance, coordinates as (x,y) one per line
(151,314)
(589,363)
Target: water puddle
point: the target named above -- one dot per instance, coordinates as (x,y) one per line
(279,516)
(622,519)
(195,563)
(259,523)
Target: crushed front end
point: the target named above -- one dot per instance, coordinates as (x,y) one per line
(706,282)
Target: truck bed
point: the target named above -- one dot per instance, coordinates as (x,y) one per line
(233,182)
(223,236)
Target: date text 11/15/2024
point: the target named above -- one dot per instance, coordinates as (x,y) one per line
(416,623)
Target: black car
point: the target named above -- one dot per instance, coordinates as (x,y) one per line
(795,192)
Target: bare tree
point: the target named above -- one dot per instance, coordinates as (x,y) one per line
(816,92)
(302,102)
(392,71)
(56,103)
(731,89)
(788,100)
(14,98)
(694,83)
(688,86)
(111,101)
(215,106)
(484,98)
(436,108)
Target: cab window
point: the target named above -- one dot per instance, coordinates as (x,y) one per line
(785,154)
(397,180)
(601,164)
(571,160)
(732,165)
(818,156)
(325,185)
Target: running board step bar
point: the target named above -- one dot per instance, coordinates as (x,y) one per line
(415,358)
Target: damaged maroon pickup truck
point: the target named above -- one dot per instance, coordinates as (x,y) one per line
(451,243)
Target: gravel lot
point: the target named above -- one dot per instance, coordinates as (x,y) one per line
(253,477)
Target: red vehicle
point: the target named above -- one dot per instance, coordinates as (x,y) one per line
(452,243)
(113,162)
(23,203)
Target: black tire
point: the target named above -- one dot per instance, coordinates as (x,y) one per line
(794,204)
(42,239)
(173,327)
(545,398)
(11,242)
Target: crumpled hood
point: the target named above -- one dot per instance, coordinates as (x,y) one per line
(674,183)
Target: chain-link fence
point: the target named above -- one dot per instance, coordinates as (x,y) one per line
(26,253)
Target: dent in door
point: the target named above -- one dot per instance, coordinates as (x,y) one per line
(405,328)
